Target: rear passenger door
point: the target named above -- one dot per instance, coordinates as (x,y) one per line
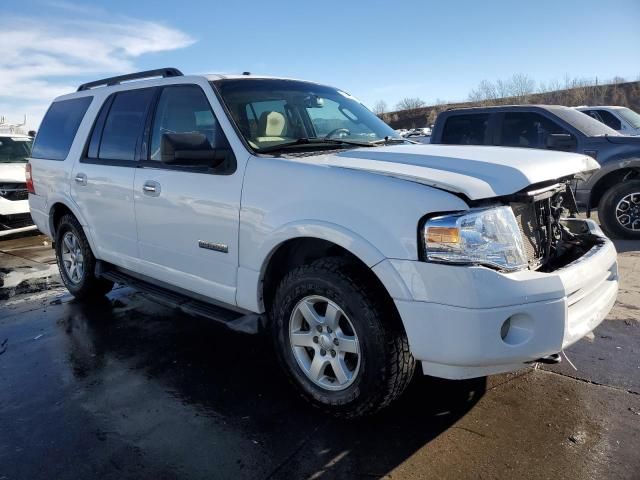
(102,181)
(188,217)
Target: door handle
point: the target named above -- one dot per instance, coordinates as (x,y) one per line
(151,188)
(81,179)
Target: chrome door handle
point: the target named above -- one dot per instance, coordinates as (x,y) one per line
(151,188)
(81,179)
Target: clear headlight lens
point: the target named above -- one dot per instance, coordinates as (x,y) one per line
(488,237)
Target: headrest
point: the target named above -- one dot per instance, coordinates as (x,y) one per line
(271,124)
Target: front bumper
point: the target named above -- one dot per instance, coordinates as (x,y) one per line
(455,318)
(15,217)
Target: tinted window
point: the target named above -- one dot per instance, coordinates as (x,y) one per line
(59,128)
(466,129)
(522,129)
(610,120)
(184,109)
(123,125)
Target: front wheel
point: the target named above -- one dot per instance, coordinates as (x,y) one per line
(76,261)
(339,342)
(619,210)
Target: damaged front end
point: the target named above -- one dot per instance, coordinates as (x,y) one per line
(552,236)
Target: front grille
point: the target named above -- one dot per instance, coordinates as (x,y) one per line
(14,191)
(9,222)
(527,217)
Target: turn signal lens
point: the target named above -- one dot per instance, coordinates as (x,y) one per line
(443,235)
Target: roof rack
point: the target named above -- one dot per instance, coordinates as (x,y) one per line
(106,82)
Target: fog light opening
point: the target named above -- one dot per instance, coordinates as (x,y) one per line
(517,329)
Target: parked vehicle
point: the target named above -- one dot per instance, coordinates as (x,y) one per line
(403,132)
(422,131)
(614,189)
(621,119)
(229,198)
(14,204)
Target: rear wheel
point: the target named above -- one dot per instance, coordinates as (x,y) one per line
(339,342)
(76,261)
(619,210)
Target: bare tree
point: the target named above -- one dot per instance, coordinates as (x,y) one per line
(410,103)
(380,107)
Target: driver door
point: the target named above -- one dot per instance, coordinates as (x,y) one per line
(188,217)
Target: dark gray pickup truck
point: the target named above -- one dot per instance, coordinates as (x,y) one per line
(614,189)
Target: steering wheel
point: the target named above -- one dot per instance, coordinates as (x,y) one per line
(345,131)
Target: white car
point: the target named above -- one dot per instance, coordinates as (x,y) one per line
(621,119)
(253,201)
(421,131)
(403,132)
(14,203)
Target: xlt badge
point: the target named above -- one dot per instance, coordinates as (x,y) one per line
(218,247)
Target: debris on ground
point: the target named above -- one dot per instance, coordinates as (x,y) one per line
(578,438)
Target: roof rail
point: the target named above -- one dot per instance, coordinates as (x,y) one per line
(106,82)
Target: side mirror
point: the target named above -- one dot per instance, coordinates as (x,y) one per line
(188,149)
(561,141)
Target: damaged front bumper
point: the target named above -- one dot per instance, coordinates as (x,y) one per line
(470,321)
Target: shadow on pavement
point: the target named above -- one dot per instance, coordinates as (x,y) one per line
(201,400)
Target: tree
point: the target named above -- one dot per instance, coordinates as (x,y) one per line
(410,103)
(380,108)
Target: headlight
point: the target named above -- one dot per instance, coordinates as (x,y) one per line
(488,237)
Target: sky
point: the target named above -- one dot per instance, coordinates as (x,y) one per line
(375,50)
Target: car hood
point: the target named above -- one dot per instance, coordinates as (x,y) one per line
(12,172)
(476,172)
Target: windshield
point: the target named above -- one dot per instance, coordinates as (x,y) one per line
(589,126)
(630,116)
(14,149)
(271,113)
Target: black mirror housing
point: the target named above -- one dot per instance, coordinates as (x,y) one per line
(188,149)
(561,141)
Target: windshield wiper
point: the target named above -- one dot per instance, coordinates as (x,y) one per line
(390,141)
(319,141)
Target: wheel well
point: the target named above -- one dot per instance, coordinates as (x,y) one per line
(302,251)
(608,181)
(57,212)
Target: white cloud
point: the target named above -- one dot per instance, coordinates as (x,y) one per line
(44,58)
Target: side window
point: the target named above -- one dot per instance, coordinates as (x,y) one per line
(59,128)
(123,124)
(466,129)
(610,120)
(185,109)
(593,114)
(524,129)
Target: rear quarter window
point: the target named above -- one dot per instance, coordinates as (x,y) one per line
(59,128)
(466,129)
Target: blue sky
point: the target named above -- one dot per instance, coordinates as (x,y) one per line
(375,50)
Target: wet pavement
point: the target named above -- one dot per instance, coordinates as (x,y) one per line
(126,388)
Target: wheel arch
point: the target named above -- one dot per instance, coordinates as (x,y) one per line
(301,250)
(57,210)
(611,178)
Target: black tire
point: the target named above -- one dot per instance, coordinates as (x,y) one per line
(608,206)
(88,285)
(386,364)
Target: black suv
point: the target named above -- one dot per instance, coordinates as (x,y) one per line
(614,189)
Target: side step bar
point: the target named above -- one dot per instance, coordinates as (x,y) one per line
(251,323)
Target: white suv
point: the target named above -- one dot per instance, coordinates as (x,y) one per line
(287,205)
(14,204)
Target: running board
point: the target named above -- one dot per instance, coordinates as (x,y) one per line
(251,323)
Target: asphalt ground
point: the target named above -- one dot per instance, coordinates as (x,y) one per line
(127,388)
